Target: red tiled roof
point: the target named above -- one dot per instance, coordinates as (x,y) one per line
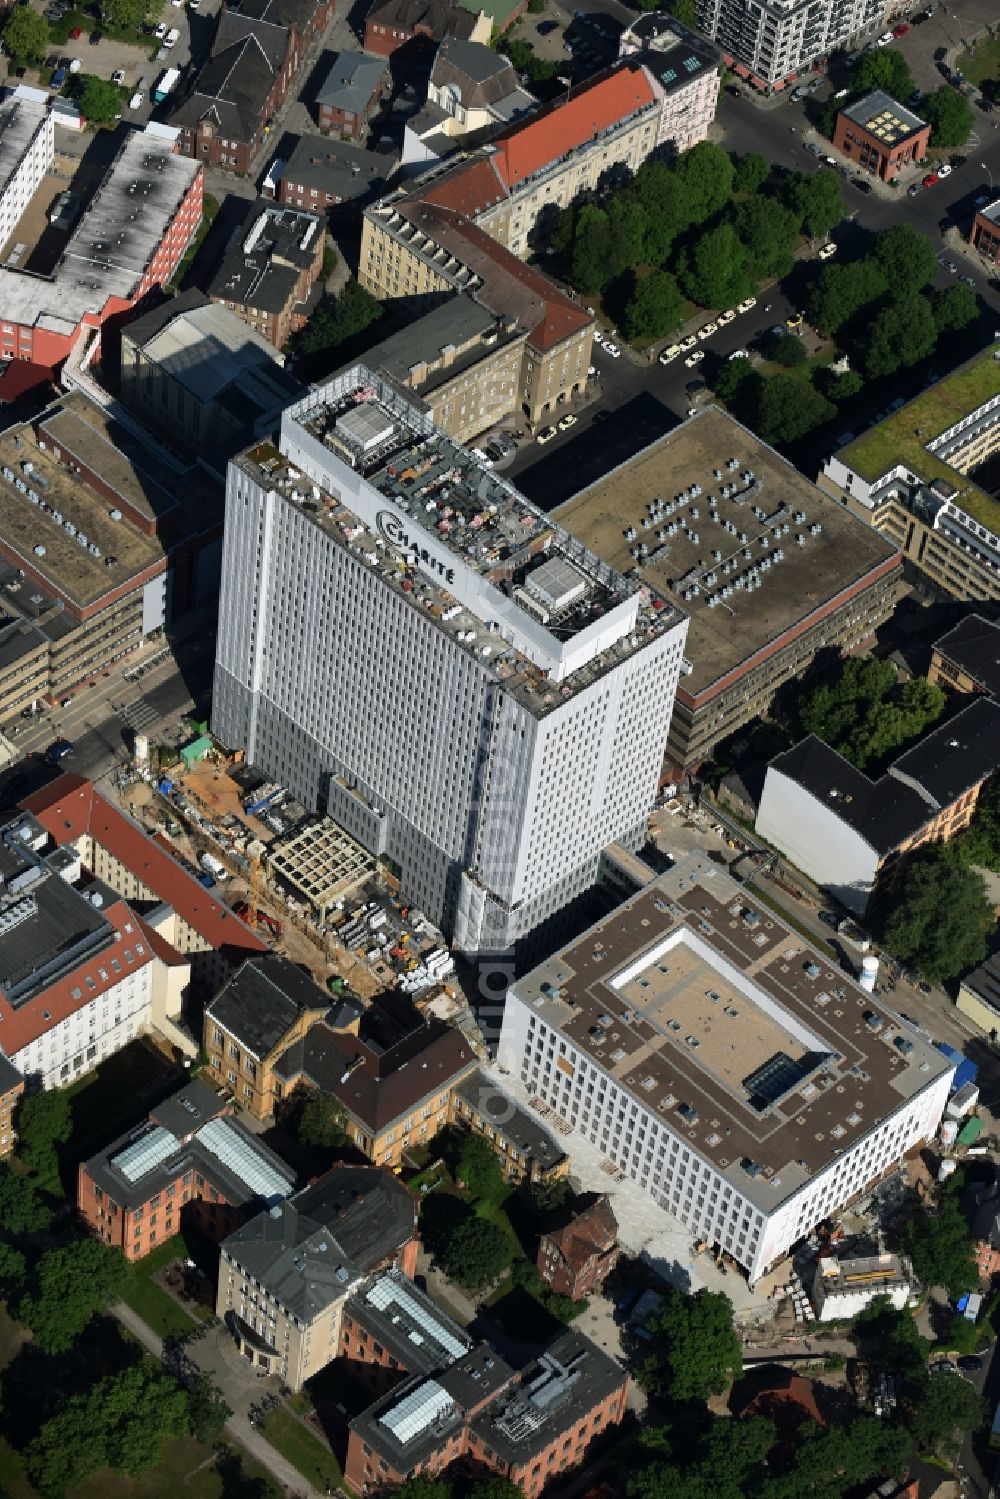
(593,1231)
(71,806)
(19,1027)
(571,122)
(162,949)
(470,188)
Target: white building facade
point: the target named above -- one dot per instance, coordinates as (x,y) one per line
(27,151)
(769,42)
(417,696)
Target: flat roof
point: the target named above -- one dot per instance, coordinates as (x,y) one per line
(261,268)
(901,440)
(20,121)
(209,350)
(82,565)
(663,500)
(456,327)
(885,119)
(710,1011)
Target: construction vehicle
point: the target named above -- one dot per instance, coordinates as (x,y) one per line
(262,919)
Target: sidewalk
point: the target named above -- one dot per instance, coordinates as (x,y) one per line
(238,1393)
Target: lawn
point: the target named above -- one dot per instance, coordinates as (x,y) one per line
(304,1451)
(153,1304)
(494,1213)
(982,63)
(186,1468)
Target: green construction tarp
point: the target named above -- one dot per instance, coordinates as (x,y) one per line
(970,1131)
(196,750)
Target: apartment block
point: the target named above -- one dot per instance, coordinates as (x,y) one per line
(192,1164)
(270,269)
(979,996)
(351,93)
(915,475)
(684,70)
(27,151)
(701,1045)
(497,710)
(769,43)
(285,1277)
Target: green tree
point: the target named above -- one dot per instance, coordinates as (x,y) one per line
(478,1167)
(908,258)
(705,177)
(44,1121)
(788,409)
(731,379)
(207,1410)
(422,1487)
(827,1462)
(522,56)
(336,322)
(592,255)
(119,1423)
(901,333)
(817,201)
(832,709)
(23,1210)
(319,1122)
(494,1487)
(26,35)
(915,933)
(961,1335)
(981,843)
(950,116)
(128,15)
(943,1411)
(768,231)
(843,387)
(100,101)
(654,307)
(475,1253)
(662,197)
(713,270)
(13,1271)
(939,1243)
(893,1340)
(627,225)
(696,1350)
(725,1461)
(789,351)
(840,292)
(883,69)
(750,172)
(685,11)
(69,1285)
(954,308)
(547,1196)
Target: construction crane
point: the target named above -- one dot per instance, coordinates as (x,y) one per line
(255,882)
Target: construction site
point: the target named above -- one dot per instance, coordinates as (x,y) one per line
(299,880)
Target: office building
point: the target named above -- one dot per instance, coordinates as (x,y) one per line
(923,477)
(129,241)
(270,269)
(967,658)
(529,1425)
(770,42)
(351,93)
(447,672)
(390,1330)
(721,1063)
(765,568)
(105,538)
(984,235)
(191,1165)
(852,834)
(257,56)
(881,136)
(285,1276)
(197,375)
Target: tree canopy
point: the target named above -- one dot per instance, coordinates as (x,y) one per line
(100,101)
(26,35)
(319,1122)
(68,1286)
(714,270)
(119,1423)
(23,1209)
(865,713)
(478,1167)
(980,843)
(884,69)
(817,200)
(940,1244)
(654,308)
(695,1348)
(949,115)
(900,334)
(789,351)
(750,172)
(841,291)
(941,1411)
(128,15)
(892,1337)
(336,323)
(474,1253)
(44,1121)
(907,257)
(932,883)
(788,409)
(954,308)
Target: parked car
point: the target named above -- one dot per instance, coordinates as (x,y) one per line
(901,29)
(884,40)
(567,421)
(545,435)
(945,169)
(861,185)
(912,190)
(746,304)
(707,331)
(931,180)
(688,343)
(828,251)
(968,281)
(58,78)
(726,317)
(610,348)
(545,28)
(670,353)
(812,148)
(738,354)
(76,33)
(96,38)
(694,358)
(969,1363)
(118,76)
(172,37)
(160,30)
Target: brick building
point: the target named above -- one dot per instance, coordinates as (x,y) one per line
(285,1277)
(984,235)
(391,1330)
(393,25)
(576,1257)
(259,50)
(11,1091)
(191,1164)
(351,93)
(270,269)
(880,135)
(323,174)
(529,1425)
(128,242)
(967,658)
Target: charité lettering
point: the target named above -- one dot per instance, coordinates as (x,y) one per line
(395,533)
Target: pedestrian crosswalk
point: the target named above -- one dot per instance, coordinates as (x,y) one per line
(138,715)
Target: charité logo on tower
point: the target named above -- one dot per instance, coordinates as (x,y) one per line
(394,531)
